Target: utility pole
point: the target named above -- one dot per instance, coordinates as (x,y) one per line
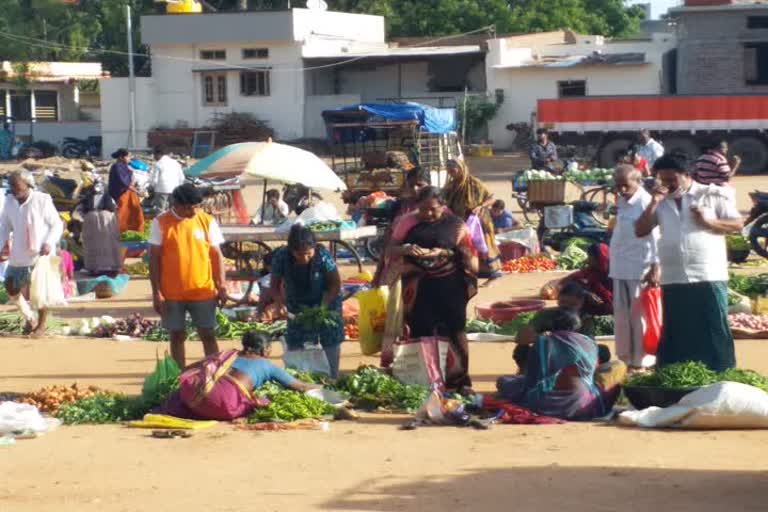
(131,77)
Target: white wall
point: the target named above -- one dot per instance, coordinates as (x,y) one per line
(179,90)
(54,132)
(116,113)
(523,86)
(357,27)
(314,125)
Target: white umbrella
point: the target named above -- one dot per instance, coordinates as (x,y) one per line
(271,161)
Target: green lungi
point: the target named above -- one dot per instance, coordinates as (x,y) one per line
(695,325)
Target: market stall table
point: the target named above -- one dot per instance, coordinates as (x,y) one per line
(247,246)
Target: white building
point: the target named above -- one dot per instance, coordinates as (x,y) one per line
(45,101)
(524,69)
(285,67)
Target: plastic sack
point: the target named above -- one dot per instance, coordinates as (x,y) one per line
(321,212)
(423,362)
(723,405)
(558,217)
(45,289)
(15,417)
(372,318)
(744,305)
(476,234)
(526,236)
(650,300)
(162,381)
(310,359)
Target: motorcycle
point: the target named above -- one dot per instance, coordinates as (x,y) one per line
(758,217)
(81,148)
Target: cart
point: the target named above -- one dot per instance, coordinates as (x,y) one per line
(249,246)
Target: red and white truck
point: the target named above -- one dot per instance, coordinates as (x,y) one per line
(680,123)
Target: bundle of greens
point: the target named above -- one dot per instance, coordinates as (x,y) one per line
(369,388)
(287,405)
(318,319)
(572,258)
(159,384)
(102,408)
(483,326)
(737,243)
(510,328)
(695,374)
(598,326)
(751,286)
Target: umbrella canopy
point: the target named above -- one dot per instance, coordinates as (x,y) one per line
(271,161)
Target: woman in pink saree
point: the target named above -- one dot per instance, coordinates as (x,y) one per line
(221,386)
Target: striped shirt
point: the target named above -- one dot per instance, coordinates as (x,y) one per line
(712,167)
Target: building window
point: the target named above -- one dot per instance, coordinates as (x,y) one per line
(214,89)
(21,105)
(756,63)
(255,53)
(571,88)
(757,22)
(254,83)
(46,105)
(213,54)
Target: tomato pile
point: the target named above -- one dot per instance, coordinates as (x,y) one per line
(748,322)
(351,330)
(529,264)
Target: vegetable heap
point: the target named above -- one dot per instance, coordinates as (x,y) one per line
(598,326)
(319,227)
(748,322)
(288,405)
(12,324)
(369,388)
(50,398)
(590,176)
(226,329)
(695,374)
(137,236)
(530,264)
(737,243)
(102,408)
(318,319)
(572,258)
(139,269)
(751,286)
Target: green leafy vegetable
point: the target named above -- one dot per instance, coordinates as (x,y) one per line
(579,242)
(678,375)
(484,326)
(572,258)
(737,243)
(288,405)
(598,326)
(513,326)
(102,408)
(369,388)
(318,319)
(159,384)
(751,286)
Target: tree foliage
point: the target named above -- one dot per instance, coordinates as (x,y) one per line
(94,30)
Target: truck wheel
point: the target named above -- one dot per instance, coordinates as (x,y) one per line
(682,145)
(753,153)
(612,151)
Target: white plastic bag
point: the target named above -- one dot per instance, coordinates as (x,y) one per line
(526,236)
(15,417)
(310,359)
(321,212)
(45,289)
(420,362)
(723,405)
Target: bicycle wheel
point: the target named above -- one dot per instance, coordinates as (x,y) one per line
(525,207)
(375,245)
(605,198)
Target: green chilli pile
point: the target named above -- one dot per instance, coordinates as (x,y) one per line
(695,374)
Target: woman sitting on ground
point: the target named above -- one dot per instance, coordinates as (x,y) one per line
(598,300)
(220,387)
(559,372)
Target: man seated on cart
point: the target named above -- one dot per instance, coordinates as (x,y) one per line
(274,212)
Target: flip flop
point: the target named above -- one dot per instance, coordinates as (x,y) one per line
(171,434)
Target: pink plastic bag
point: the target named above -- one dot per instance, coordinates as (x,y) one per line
(650,299)
(476,234)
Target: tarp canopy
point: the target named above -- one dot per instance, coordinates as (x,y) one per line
(430,119)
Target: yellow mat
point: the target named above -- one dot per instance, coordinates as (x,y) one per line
(163,421)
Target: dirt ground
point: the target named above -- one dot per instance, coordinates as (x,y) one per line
(367,465)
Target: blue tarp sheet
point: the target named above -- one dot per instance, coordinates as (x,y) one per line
(431,119)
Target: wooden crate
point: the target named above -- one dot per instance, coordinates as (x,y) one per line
(551,192)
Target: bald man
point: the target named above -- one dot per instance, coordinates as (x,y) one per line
(634,264)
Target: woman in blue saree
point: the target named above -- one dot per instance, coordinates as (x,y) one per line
(559,372)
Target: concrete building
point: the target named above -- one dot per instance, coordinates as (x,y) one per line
(723,47)
(45,101)
(285,67)
(523,69)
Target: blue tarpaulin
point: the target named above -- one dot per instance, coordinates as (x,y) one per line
(430,119)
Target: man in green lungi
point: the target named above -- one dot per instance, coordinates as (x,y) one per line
(693,219)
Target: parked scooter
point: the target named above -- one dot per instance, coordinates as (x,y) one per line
(81,148)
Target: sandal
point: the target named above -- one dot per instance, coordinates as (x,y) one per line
(171,434)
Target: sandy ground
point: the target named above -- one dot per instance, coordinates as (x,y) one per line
(368,465)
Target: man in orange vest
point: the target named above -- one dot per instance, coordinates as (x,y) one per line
(186,270)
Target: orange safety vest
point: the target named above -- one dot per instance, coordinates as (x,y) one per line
(186,274)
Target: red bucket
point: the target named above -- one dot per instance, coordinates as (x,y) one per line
(500,312)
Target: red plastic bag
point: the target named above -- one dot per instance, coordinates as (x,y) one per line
(650,299)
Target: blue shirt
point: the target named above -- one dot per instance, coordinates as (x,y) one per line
(262,371)
(503,221)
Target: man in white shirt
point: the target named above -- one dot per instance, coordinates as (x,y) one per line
(634,263)
(274,211)
(650,149)
(167,174)
(32,219)
(693,220)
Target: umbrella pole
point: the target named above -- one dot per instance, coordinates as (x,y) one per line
(263,201)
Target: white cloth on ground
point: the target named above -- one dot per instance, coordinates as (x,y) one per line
(34,223)
(628,321)
(631,257)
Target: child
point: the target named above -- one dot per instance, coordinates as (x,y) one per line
(502,219)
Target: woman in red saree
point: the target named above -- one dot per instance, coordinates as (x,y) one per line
(439,275)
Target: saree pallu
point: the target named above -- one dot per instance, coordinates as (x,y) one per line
(130,216)
(210,392)
(696,326)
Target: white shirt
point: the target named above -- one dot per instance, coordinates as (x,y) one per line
(34,223)
(167,174)
(631,257)
(689,253)
(651,151)
(273,215)
(215,237)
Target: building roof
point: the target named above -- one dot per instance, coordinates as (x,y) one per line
(384,52)
(55,71)
(471,40)
(593,59)
(725,6)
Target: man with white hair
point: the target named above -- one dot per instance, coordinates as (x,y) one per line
(32,219)
(633,264)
